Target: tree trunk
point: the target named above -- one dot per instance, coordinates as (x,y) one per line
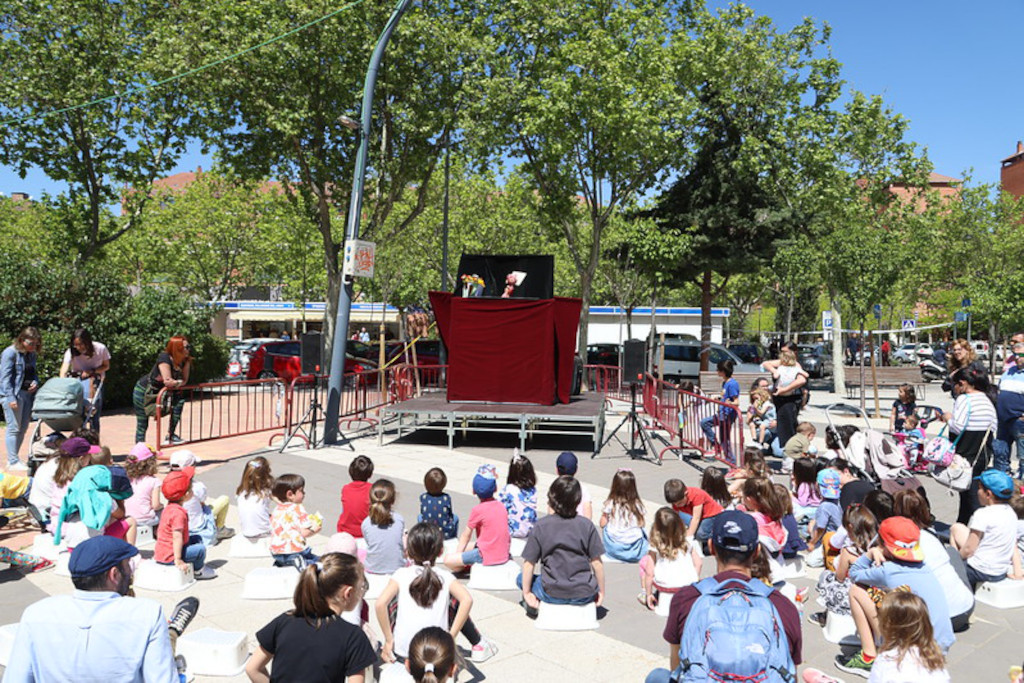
(860,362)
(789,316)
(629,322)
(705,321)
(838,369)
(331,314)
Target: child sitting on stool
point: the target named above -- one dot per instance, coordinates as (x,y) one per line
(490,521)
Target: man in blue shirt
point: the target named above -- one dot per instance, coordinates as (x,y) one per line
(1010,414)
(98,633)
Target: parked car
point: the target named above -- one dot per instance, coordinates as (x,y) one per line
(284,359)
(603,354)
(907,353)
(816,359)
(240,354)
(682,359)
(980,349)
(748,352)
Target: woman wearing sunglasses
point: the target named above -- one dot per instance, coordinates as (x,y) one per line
(171,371)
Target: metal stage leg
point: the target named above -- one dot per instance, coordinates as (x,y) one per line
(451,431)
(522,433)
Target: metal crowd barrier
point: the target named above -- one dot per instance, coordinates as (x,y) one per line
(681,414)
(219,410)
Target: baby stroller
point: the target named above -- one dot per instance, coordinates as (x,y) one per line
(62,406)
(878,457)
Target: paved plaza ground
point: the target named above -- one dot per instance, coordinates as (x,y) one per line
(628,642)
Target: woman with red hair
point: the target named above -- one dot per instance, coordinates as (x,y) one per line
(171,371)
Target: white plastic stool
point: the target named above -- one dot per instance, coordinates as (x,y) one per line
(166,578)
(7,634)
(395,673)
(664,601)
(517,547)
(792,568)
(61,567)
(249,547)
(42,546)
(1005,594)
(551,617)
(450,545)
(210,652)
(377,584)
(838,627)
(498,577)
(270,583)
(146,535)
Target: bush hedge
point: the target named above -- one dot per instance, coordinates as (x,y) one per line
(135,327)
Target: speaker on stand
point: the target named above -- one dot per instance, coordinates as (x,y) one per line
(311,353)
(634,360)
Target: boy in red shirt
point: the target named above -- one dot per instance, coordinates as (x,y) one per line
(355,497)
(174,545)
(490,521)
(695,507)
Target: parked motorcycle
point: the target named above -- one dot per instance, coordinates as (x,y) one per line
(932,371)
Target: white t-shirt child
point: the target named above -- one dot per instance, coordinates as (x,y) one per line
(887,669)
(998,524)
(412,618)
(622,526)
(677,572)
(254,514)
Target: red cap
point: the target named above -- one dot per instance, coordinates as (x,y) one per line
(177,483)
(902,538)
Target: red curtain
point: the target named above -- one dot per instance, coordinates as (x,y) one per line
(508,350)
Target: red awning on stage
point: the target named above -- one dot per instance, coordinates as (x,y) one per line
(508,350)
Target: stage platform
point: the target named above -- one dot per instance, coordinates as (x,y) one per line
(583,416)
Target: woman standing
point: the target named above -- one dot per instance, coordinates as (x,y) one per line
(961,354)
(172,369)
(973,425)
(18,384)
(790,379)
(87,360)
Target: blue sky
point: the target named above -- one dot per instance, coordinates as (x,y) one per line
(953,69)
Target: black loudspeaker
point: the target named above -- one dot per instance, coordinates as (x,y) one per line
(634,361)
(312,352)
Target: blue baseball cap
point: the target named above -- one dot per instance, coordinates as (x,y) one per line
(567,463)
(999,483)
(829,483)
(485,481)
(98,554)
(734,530)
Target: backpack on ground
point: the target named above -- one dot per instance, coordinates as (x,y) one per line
(734,633)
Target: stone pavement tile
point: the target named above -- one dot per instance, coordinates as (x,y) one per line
(519,667)
(590,656)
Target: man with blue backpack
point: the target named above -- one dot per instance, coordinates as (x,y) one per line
(731,626)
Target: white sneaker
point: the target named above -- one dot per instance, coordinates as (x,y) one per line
(484,650)
(206,572)
(17,467)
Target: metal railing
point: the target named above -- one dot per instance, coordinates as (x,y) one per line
(218,410)
(698,422)
(607,380)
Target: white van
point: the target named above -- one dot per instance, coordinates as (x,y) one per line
(682,359)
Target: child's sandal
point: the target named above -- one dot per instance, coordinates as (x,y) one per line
(641,597)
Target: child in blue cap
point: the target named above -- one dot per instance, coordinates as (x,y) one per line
(988,543)
(489,519)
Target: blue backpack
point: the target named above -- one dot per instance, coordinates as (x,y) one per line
(734,633)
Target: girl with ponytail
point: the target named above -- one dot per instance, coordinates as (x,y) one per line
(432,656)
(383,530)
(426,594)
(312,642)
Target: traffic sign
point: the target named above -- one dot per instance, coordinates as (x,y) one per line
(826,320)
(877,308)
(909,324)
(966,303)
(959,317)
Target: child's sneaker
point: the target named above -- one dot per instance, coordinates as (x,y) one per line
(854,665)
(819,676)
(483,651)
(205,573)
(42,565)
(818,618)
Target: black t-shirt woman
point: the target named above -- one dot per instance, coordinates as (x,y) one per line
(171,371)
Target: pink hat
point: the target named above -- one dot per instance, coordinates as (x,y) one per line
(141,451)
(93,450)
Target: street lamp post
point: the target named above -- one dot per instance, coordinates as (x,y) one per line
(355,207)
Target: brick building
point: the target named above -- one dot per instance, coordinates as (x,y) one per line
(1011,175)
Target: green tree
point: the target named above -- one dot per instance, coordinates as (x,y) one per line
(62,53)
(279,110)
(762,104)
(577,94)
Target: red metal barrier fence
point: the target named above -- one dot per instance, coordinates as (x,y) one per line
(219,410)
(682,414)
